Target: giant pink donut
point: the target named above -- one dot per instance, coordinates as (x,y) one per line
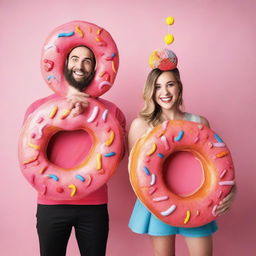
(75,183)
(66,37)
(146,172)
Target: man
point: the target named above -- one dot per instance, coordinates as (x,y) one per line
(88,216)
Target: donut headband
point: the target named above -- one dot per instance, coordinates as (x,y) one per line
(65,38)
(164,59)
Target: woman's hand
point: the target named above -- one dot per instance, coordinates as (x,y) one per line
(225,204)
(77,100)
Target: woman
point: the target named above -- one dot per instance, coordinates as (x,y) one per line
(163,100)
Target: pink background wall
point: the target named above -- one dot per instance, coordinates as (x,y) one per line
(215,43)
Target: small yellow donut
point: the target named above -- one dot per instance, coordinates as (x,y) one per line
(169,39)
(169,20)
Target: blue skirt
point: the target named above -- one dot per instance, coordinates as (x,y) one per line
(143,221)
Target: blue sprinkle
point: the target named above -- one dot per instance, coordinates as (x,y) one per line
(217,137)
(54,177)
(160,155)
(113,55)
(180,135)
(110,154)
(51,77)
(145,169)
(66,34)
(80,177)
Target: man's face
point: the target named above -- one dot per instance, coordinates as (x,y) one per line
(79,69)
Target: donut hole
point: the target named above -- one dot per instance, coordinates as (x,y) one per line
(68,149)
(183,173)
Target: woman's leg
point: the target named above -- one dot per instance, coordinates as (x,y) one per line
(199,246)
(163,245)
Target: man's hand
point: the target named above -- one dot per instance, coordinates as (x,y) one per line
(77,100)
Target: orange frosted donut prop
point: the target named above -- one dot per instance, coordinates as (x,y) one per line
(95,170)
(146,172)
(70,35)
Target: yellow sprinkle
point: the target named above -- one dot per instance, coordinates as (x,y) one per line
(79,31)
(169,20)
(102,74)
(34,146)
(187,217)
(90,29)
(110,140)
(65,113)
(43,169)
(73,187)
(152,150)
(113,66)
(31,160)
(99,31)
(98,161)
(97,39)
(222,154)
(53,112)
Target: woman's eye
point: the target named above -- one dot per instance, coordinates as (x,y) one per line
(171,84)
(157,87)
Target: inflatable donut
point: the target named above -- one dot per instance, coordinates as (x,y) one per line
(68,36)
(98,166)
(146,172)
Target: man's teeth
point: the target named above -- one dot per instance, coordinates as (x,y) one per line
(79,73)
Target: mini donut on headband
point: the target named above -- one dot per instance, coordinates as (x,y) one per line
(163,59)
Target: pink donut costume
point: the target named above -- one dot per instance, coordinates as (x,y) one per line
(105,132)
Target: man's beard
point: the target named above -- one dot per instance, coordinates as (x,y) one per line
(80,85)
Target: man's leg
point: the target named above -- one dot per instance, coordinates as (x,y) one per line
(54,224)
(91,229)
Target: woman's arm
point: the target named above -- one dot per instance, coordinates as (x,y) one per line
(138,128)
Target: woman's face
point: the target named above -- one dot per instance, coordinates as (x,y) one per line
(166,90)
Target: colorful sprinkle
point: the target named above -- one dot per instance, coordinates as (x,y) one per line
(65,113)
(99,31)
(34,146)
(160,198)
(54,177)
(111,57)
(98,161)
(51,77)
(49,46)
(160,155)
(165,124)
(42,170)
(49,64)
(165,141)
(73,187)
(187,217)
(113,67)
(153,180)
(227,183)
(88,180)
(66,34)
(217,137)
(110,154)
(152,151)
(152,190)
(222,154)
(223,173)
(105,115)
(59,189)
(53,112)
(169,210)
(80,177)
(145,169)
(79,31)
(180,136)
(93,115)
(219,145)
(110,140)
(104,83)
(31,159)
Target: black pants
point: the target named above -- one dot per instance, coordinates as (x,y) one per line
(54,224)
